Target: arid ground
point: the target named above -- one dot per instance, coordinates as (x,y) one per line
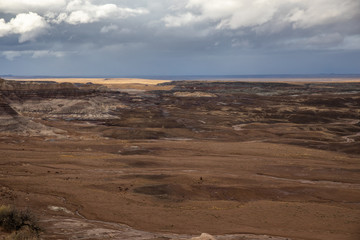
(146,159)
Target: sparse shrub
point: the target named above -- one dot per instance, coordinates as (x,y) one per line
(22,224)
(25,233)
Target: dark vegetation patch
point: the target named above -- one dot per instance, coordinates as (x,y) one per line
(21,223)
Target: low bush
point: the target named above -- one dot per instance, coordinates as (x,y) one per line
(21,223)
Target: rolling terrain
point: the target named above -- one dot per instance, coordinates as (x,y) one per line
(171,160)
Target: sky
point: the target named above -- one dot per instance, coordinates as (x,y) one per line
(182,37)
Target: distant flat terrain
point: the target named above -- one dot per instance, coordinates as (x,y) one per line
(157,81)
(147,159)
(104,81)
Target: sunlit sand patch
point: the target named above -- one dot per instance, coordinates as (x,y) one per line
(103,81)
(133,85)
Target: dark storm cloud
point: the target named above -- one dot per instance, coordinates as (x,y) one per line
(178,37)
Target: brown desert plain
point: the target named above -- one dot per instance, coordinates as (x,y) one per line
(154,159)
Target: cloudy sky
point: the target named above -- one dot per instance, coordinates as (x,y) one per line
(182,37)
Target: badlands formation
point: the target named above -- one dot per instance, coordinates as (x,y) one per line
(146,159)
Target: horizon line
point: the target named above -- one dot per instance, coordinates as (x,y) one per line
(191,76)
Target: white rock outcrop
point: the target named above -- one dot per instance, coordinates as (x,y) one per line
(204,236)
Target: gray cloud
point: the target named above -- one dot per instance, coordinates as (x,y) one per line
(185,36)
(11,55)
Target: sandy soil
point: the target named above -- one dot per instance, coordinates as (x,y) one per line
(188,186)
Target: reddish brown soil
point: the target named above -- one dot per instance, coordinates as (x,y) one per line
(240,163)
